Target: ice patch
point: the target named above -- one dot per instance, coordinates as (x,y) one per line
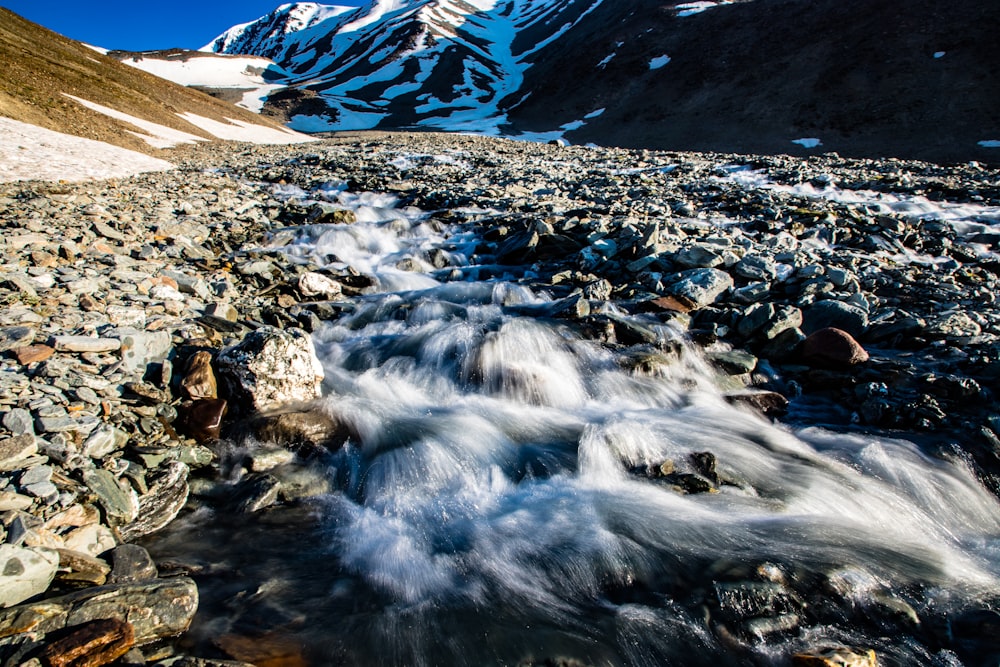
(808,142)
(29,152)
(990,143)
(595,114)
(658,62)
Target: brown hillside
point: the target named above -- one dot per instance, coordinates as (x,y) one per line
(40,65)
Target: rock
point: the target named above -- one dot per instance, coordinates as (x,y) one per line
(166,497)
(757,268)
(838,656)
(832,348)
(131,563)
(156,609)
(222,311)
(81,568)
(733,362)
(14,452)
(256,492)
(270,368)
(270,649)
(316,284)
(118,499)
(19,422)
(268,459)
(700,287)
(25,573)
(769,403)
(104,441)
(199,380)
(953,325)
(93,539)
(837,314)
(85,344)
(33,354)
(141,348)
(15,337)
(90,644)
(699,256)
(312,429)
(14,501)
(202,419)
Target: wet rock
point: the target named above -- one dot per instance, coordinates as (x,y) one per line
(25,572)
(733,362)
(953,325)
(768,403)
(311,429)
(832,347)
(270,368)
(837,656)
(317,285)
(202,419)
(157,609)
(199,380)
(92,644)
(166,497)
(269,459)
(255,492)
(700,287)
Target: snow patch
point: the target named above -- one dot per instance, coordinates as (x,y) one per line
(29,152)
(658,62)
(691,8)
(594,114)
(990,143)
(939,54)
(156,135)
(604,63)
(99,49)
(808,142)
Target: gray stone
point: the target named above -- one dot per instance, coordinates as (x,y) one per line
(19,422)
(140,348)
(14,452)
(25,573)
(83,424)
(701,287)
(103,441)
(84,344)
(270,368)
(12,337)
(131,563)
(756,267)
(166,497)
(836,314)
(699,256)
(121,504)
(953,325)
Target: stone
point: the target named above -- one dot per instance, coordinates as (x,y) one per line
(768,403)
(131,563)
(222,311)
(25,573)
(271,368)
(296,429)
(156,609)
(33,354)
(836,656)
(103,441)
(15,337)
(700,287)
(313,284)
(269,650)
(837,314)
(699,256)
(199,380)
(85,344)
(19,421)
(953,325)
(93,539)
(832,347)
(255,492)
(165,499)
(15,451)
(92,644)
(733,362)
(141,348)
(268,459)
(202,419)
(119,500)
(83,424)
(77,567)
(14,501)
(757,268)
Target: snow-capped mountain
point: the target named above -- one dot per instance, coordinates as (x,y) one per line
(452,64)
(910,78)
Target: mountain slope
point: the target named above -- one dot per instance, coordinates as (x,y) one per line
(42,69)
(910,79)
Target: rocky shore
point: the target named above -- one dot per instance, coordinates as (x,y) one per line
(149,321)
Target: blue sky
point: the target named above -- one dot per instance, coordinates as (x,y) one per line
(141,25)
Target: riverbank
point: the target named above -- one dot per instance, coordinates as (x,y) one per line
(111,288)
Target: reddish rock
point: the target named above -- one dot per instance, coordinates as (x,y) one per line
(31,354)
(202,419)
(269,650)
(832,348)
(199,382)
(90,645)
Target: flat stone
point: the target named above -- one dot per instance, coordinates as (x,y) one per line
(81,568)
(120,503)
(14,501)
(141,348)
(85,344)
(32,354)
(93,539)
(157,609)
(93,644)
(25,573)
(82,424)
(268,459)
(701,287)
(222,311)
(19,421)
(157,508)
(14,337)
(15,451)
(104,440)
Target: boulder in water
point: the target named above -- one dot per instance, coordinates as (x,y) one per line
(838,656)
(832,347)
(270,368)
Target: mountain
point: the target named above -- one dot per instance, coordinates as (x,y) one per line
(61,85)
(910,78)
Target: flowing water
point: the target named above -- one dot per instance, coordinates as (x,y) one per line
(494,506)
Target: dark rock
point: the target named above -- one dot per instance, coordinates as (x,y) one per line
(166,497)
(199,379)
(835,314)
(700,287)
(311,429)
(15,337)
(839,656)
(202,419)
(131,563)
(733,362)
(82,569)
(832,348)
(256,492)
(91,644)
(769,403)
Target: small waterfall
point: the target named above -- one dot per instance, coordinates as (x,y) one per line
(514,493)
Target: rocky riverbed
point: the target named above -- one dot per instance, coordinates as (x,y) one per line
(152,325)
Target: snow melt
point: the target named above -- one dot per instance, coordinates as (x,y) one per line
(29,152)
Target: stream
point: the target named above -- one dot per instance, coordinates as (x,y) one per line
(517,493)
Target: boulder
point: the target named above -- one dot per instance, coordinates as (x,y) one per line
(199,381)
(698,288)
(832,348)
(25,572)
(838,656)
(92,644)
(270,368)
(166,497)
(838,314)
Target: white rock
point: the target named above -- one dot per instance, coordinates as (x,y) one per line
(269,368)
(25,573)
(316,284)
